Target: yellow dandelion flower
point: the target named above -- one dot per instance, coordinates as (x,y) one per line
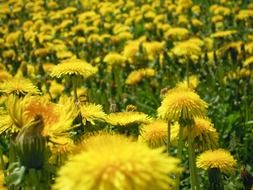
(56,89)
(18,86)
(196,9)
(42,52)
(2,181)
(154,134)
(6,124)
(203,134)
(217,18)
(113,162)
(220,10)
(73,67)
(136,76)
(196,22)
(13,38)
(248,61)
(244,14)
(122,36)
(114,59)
(61,152)
(9,54)
(189,49)
(57,118)
(182,20)
(177,33)
(249,47)
(154,48)
(223,34)
(132,49)
(181,103)
(4,75)
(64,54)
(92,112)
(220,159)
(193,82)
(127,118)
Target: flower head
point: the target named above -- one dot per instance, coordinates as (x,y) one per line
(181,103)
(204,134)
(219,158)
(114,59)
(136,76)
(2,181)
(127,118)
(114,162)
(223,34)
(18,86)
(155,134)
(92,112)
(73,67)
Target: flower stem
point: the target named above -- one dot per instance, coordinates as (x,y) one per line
(179,154)
(215,179)
(192,164)
(74,85)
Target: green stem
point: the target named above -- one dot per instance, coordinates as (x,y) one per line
(192,164)
(179,154)
(74,85)
(215,179)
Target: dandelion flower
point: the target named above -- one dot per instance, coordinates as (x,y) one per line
(155,134)
(113,162)
(204,134)
(138,75)
(2,181)
(153,48)
(4,75)
(220,159)
(193,82)
(223,34)
(92,112)
(177,33)
(181,103)
(188,49)
(127,118)
(114,59)
(57,118)
(248,61)
(18,86)
(73,67)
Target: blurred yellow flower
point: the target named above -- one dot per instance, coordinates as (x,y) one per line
(114,162)
(2,181)
(177,33)
(223,34)
(248,61)
(193,82)
(114,59)
(4,75)
(136,76)
(154,134)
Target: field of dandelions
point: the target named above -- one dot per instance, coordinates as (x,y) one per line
(126,94)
